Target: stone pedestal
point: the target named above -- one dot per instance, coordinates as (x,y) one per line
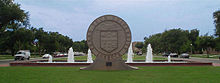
(102,64)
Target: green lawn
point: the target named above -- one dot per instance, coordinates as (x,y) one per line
(35,56)
(3,57)
(205,56)
(205,74)
(136,57)
(75,58)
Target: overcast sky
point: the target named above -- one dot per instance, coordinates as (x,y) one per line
(144,17)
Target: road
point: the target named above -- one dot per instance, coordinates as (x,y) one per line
(215,62)
(6,62)
(205,60)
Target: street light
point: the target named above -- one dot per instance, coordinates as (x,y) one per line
(191,48)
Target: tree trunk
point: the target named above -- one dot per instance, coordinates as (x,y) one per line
(12,52)
(207,50)
(39,52)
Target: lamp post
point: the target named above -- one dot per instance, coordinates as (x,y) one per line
(191,48)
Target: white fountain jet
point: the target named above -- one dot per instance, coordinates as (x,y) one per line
(149,56)
(70,55)
(50,59)
(169,59)
(89,57)
(130,54)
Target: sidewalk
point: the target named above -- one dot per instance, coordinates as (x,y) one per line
(4,65)
(6,60)
(215,62)
(205,60)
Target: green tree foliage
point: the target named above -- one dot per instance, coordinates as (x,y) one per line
(49,42)
(174,40)
(180,41)
(11,13)
(14,34)
(216,16)
(205,42)
(139,45)
(20,39)
(217,44)
(177,40)
(23,39)
(12,22)
(80,46)
(155,41)
(193,35)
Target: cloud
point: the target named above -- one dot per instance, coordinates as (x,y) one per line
(73,17)
(69,23)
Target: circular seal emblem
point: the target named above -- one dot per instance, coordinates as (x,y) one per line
(108,36)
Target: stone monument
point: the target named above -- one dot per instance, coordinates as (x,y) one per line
(108,37)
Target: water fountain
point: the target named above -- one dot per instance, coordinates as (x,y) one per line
(149,56)
(71,62)
(89,57)
(70,55)
(130,54)
(50,59)
(169,59)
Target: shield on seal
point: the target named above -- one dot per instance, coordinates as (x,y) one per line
(109,40)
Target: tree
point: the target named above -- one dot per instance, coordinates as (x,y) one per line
(80,46)
(139,45)
(174,40)
(11,19)
(15,33)
(217,42)
(48,42)
(23,39)
(20,39)
(193,37)
(11,13)
(40,36)
(205,42)
(216,16)
(155,41)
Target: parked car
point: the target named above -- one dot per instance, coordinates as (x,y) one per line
(139,53)
(59,55)
(79,54)
(165,54)
(173,55)
(46,56)
(65,54)
(184,55)
(22,55)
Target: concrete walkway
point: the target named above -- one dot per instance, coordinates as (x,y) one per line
(5,63)
(205,60)
(215,62)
